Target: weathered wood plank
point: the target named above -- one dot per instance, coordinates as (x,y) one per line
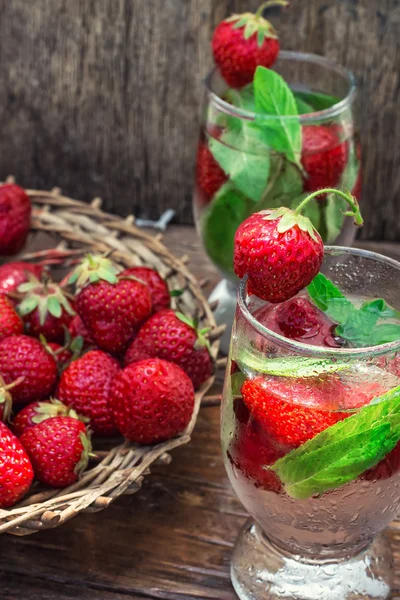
(103,98)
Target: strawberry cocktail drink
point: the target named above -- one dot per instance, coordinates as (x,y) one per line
(311,412)
(275,125)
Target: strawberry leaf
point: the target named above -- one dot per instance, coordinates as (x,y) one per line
(176,293)
(28,305)
(54,307)
(274,98)
(344,451)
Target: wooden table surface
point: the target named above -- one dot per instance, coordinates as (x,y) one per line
(172,540)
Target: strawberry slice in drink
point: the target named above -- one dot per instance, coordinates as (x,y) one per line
(253,449)
(294,411)
(298,319)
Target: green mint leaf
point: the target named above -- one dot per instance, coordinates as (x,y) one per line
(287,366)
(380,308)
(317,100)
(303,107)
(244,158)
(284,183)
(220,221)
(274,98)
(344,451)
(328,297)
(243,98)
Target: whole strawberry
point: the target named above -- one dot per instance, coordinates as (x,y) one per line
(175,338)
(16,473)
(111,306)
(14,273)
(209,175)
(23,357)
(45,309)
(280,250)
(243,42)
(324,156)
(86,385)
(59,449)
(152,401)
(39,411)
(159,292)
(15,218)
(10,321)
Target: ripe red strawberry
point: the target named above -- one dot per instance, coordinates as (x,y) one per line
(86,385)
(209,175)
(243,42)
(298,319)
(280,250)
(111,306)
(77,328)
(14,273)
(173,337)
(15,218)
(152,401)
(10,321)
(295,410)
(324,156)
(159,292)
(281,255)
(45,309)
(16,473)
(39,411)
(24,357)
(59,449)
(253,448)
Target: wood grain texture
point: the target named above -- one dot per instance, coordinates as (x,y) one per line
(103,97)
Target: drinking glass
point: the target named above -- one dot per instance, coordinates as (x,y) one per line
(317,513)
(325,95)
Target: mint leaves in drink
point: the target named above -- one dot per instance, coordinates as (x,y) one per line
(274,98)
(344,451)
(361,327)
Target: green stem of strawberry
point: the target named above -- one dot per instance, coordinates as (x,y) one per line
(351,200)
(265,5)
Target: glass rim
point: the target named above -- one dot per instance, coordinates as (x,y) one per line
(309,349)
(324,114)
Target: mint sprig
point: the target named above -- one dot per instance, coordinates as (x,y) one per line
(344,451)
(273,97)
(359,326)
(287,366)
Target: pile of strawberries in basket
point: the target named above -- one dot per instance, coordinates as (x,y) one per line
(101,354)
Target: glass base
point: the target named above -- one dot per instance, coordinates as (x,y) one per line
(225,294)
(261,571)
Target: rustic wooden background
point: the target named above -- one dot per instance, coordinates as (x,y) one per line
(102,97)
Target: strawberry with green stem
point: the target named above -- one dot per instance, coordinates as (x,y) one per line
(45,309)
(59,449)
(281,251)
(176,338)
(112,306)
(243,42)
(39,411)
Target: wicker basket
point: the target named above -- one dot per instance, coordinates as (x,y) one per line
(63,230)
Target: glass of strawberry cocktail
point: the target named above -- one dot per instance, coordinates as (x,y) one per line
(250,159)
(311,430)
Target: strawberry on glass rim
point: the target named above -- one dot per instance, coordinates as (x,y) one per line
(281,251)
(243,42)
